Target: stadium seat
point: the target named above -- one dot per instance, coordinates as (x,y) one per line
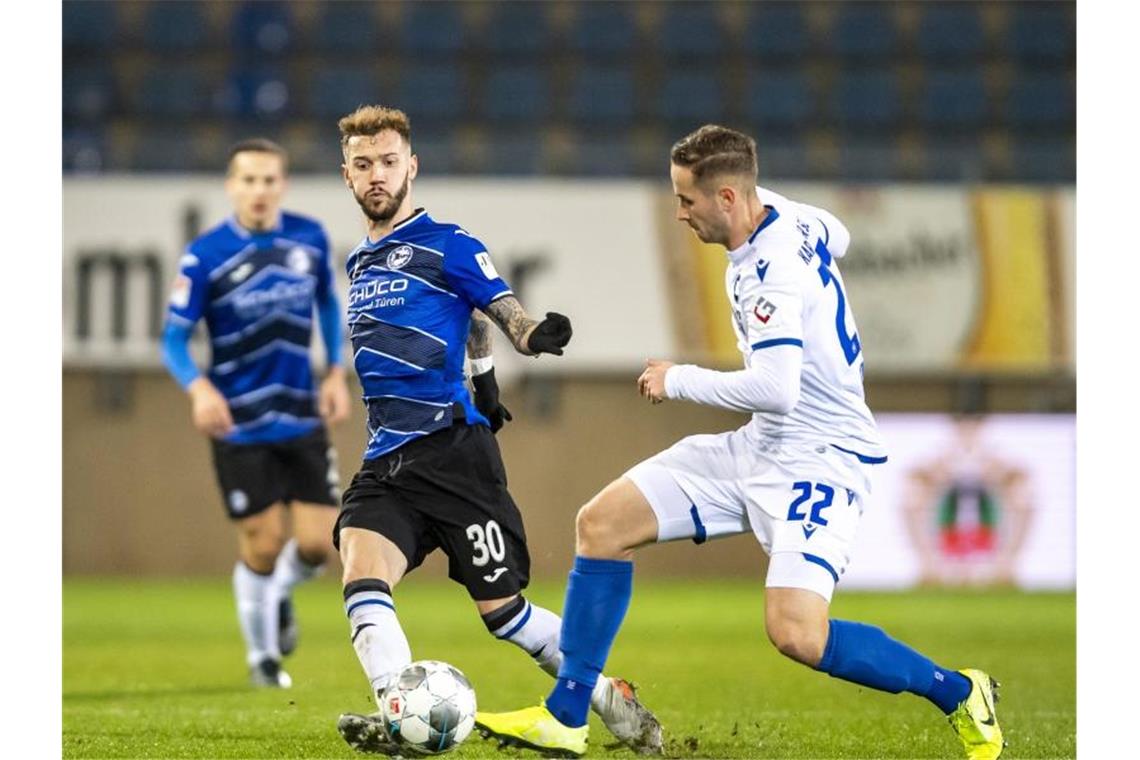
(166,90)
(513,153)
(89,92)
(955,159)
(346,27)
(950,32)
(690,29)
(869,160)
(262,27)
(953,99)
(89,26)
(1051,160)
(782,156)
(776,31)
(601,155)
(603,28)
(432,30)
(517,28)
(1041,33)
(516,94)
(175,26)
(1042,101)
(603,94)
(865,31)
(780,99)
(84,151)
(257,92)
(866,99)
(688,98)
(432,94)
(437,151)
(163,150)
(336,90)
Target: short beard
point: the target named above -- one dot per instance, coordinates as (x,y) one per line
(389,209)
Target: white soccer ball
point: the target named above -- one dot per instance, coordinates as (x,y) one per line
(429,708)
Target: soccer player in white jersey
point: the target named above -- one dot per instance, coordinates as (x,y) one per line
(798,475)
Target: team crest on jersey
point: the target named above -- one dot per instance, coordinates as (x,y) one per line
(239,274)
(764,309)
(298,260)
(399,257)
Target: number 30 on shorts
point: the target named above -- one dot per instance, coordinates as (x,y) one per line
(487,543)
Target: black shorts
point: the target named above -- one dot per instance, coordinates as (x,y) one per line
(254,476)
(447,490)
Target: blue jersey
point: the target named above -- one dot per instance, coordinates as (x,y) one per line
(256,291)
(410,299)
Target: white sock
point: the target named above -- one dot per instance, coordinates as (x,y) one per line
(379,641)
(538,632)
(291,569)
(250,591)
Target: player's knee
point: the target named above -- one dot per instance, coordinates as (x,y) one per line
(596,537)
(314,550)
(796,639)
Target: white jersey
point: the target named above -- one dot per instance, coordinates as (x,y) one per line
(786,290)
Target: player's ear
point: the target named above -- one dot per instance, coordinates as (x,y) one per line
(726,195)
(344,174)
(413,166)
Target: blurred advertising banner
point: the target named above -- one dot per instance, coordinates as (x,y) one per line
(940,278)
(971,501)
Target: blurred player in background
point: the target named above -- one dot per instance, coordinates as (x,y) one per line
(432,475)
(968,510)
(798,475)
(256,279)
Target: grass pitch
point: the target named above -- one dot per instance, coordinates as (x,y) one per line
(155,669)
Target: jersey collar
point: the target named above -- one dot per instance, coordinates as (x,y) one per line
(736,255)
(245,233)
(416,216)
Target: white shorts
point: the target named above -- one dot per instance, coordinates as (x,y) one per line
(802,501)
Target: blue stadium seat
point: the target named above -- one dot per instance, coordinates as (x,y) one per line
(432,95)
(432,30)
(955,159)
(603,94)
(602,155)
(84,151)
(782,156)
(603,28)
(865,31)
(163,150)
(176,25)
(89,92)
(779,98)
(255,92)
(262,27)
(1041,33)
(953,98)
(691,29)
(949,32)
(866,99)
(516,94)
(337,90)
(89,26)
(1042,101)
(869,160)
(166,90)
(1051,160)
(521,27)
(689,98)
(776,31)
(511,153)
(347,26)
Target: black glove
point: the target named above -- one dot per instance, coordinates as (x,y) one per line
(550,335)
(487,400)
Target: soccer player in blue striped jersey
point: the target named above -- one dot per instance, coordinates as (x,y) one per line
(797,475)
(257,279)
(422,296)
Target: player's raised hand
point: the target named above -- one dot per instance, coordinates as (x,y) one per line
(651,384)
(550,335)
(487,400)
(209,409)
(333,399)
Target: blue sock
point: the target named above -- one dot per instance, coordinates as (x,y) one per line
(865,655)
(597,598)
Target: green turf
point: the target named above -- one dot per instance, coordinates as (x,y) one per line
(155,669)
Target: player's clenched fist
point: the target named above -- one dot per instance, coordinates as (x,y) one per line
(209,409)
(550,335)
(651,384)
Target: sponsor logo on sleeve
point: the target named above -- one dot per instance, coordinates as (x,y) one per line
(484,262)
(764,309)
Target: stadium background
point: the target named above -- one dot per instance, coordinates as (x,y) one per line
(942,132)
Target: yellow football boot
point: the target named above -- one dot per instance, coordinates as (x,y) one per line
(975,721)
(534,728)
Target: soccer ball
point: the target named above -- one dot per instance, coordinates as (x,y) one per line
(429,708)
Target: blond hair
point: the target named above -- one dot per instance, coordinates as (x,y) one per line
(370,120)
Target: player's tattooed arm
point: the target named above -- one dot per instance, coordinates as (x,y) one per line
(479,337)
(530,337)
